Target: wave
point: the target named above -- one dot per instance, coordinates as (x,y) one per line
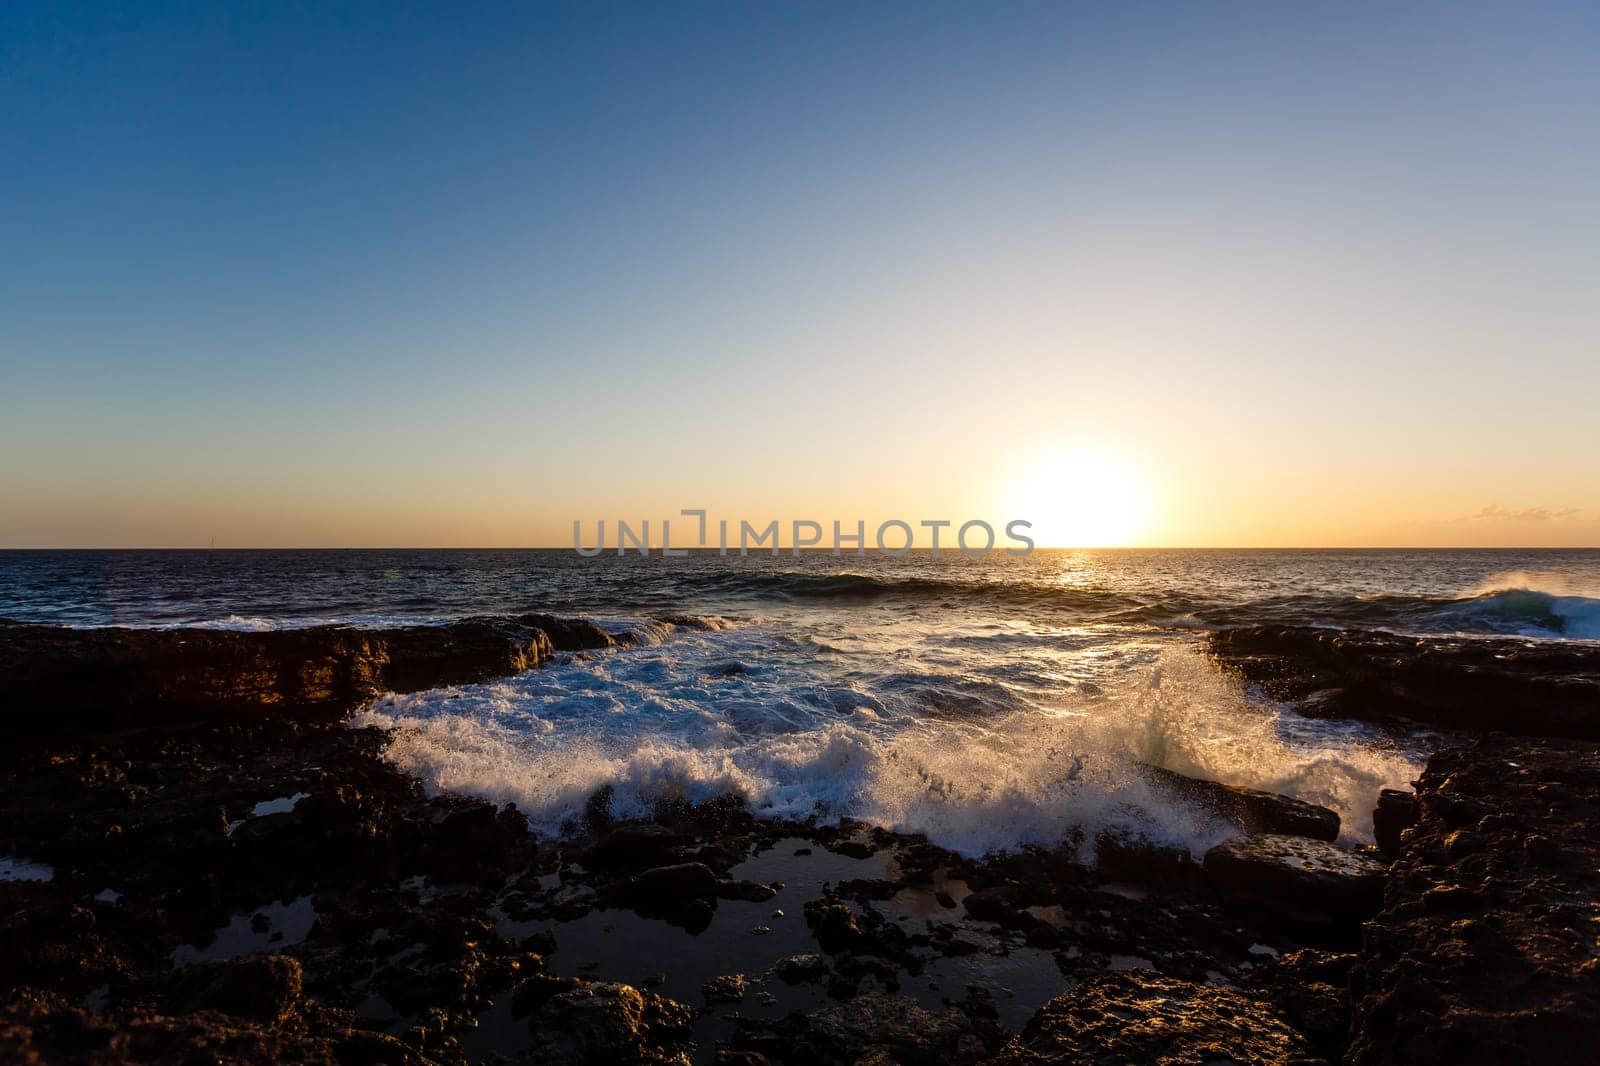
(1528,612)
(1516,603)
(1512,603)
(849,587)
(981,773)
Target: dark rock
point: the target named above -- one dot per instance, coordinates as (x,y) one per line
(477,843)
(730,1057)
(749,891)
(728,988)
(1250,809)
(567,634)
(598,1024)
(1137,1016)
(797,969)
(1002,904)
(98,679)
(835,926)
(675,884)
(1124,857)
(597,816)
(872,1027)
(1299,878)
(1486,953)
(854,849)
(1543,688)
(1312,990)
(1395,813)
(632,848)
(264,988)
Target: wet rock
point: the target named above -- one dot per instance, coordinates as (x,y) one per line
(864,944)
(1250,809)
(1138,1016)
(749,891)
(1395,813)
(632,848)
(94,679)
(835,926)
(871,1027)
(567,634)
(1124,857)
(263,988)
(670,885)
(1298,878)
(1312,991)
(728,988)
(1527,688)
(477,844)
(597,816)
(854,849)
(797,969)
(1486,953)
(598,1024)
(732,1057)
(1003,904)
(39,1027)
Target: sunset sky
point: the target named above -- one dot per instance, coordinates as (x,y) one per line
(1189,275)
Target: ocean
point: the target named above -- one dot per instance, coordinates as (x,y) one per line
(988,703)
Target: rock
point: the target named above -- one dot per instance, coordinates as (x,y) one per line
(730,1057)
(1002,904)
(853,849)
(835,926)
(601,1023)
(1122,856)
(684,894)
(1312,990)
(678,883)
(841,931)
(1138,1016)
(1395,813)
(263,988)
(1250,809)
(567,634)
(477,844)
(728,988)
(749,891)
(1545,688)
(1487,953)
(872,1027)
(1296,877)
(796,969)
(99,679)
(631,848)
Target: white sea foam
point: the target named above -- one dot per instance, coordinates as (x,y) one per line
(798,738)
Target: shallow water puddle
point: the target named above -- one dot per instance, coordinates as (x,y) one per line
(281,805)
(286,923)
(14,869)
(751,938)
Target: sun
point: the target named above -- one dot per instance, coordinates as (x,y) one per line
(1087,497)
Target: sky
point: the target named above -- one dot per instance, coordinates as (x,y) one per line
(459,274)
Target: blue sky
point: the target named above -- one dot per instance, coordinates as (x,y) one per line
(434,274)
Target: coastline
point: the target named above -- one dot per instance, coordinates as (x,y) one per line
(232,868)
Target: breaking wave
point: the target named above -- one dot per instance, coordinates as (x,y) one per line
(971,763)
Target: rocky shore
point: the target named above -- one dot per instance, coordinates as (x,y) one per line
(200,862)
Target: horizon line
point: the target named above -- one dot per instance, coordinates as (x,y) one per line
(655,551)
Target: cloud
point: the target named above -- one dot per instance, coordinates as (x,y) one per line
(1495,513)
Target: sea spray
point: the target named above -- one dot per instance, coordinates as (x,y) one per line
(797,740)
